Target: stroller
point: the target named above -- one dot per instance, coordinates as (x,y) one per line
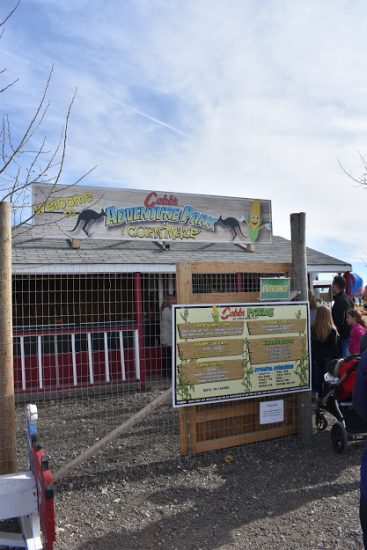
(339,382)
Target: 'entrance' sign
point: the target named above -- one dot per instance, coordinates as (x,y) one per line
(278,288)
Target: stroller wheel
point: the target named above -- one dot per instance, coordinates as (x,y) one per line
(321,422)
(339,438)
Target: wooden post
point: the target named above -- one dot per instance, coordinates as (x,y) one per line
(8,455)
(299,276)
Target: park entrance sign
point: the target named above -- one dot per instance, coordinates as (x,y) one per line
(228,352)
(124,214)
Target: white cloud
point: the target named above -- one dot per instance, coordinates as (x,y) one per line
(264,96)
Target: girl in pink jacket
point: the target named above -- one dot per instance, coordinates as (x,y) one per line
(358,329)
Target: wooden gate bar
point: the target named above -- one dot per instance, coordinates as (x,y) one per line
(243,267)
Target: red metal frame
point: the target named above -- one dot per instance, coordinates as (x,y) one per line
(239,282)
(150,359)
(45,491)
(138,301)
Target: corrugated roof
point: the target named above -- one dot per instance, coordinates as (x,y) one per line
(28,251)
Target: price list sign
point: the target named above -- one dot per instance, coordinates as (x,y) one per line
(237,351)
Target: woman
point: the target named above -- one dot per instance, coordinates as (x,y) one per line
(357,330)
(325,346)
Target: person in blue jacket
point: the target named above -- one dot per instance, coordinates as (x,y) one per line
(360,405)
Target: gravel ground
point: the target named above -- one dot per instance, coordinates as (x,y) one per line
(139,494)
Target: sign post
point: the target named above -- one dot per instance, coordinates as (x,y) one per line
(8,455)
(299,264)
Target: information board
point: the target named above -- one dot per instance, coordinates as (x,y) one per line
(237,351)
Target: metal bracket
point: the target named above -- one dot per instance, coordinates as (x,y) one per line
(162,245)
(247,247)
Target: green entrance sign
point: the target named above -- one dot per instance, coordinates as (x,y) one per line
(274,289)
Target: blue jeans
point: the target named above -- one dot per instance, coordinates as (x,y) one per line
(345,347)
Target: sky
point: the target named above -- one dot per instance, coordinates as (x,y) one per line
(248,98)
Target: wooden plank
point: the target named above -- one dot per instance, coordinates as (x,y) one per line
(246,411)
(235,440)
(224,298)
(18,496)
(210,348)
(243,267)
(277,349)
(249,407)
(184,283)
(212,371)
(210,329)
(278,326)
(192,430)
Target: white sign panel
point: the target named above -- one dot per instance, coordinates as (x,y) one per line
(272,411)
(124,214)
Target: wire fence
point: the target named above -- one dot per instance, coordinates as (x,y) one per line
(88,350)
(92,348)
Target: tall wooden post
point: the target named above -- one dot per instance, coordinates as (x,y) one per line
(8,455)
(299,276)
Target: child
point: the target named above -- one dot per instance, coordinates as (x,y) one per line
(358,329)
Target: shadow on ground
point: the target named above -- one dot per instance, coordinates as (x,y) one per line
(264,481)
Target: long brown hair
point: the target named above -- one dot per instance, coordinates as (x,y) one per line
(312,300)
(324,323)
(354,313)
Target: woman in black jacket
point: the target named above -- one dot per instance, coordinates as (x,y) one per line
(325,346)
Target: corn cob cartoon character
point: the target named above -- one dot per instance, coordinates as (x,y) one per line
(254,221)
(215,314)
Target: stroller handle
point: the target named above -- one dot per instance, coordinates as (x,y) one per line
(333,380)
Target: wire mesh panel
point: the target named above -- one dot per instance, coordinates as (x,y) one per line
(205,283)
(90,351)
(93,348)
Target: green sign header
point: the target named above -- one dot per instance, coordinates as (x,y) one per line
(274,289)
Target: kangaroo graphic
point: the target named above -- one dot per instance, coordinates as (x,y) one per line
(232,225)
(87,217)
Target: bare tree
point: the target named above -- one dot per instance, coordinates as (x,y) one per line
(361,179)
(27,159)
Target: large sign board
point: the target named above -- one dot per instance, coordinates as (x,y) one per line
(102,213)
(237,351)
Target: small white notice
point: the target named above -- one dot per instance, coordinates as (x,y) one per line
(271,411)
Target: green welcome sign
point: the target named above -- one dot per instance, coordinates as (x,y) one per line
(274,288)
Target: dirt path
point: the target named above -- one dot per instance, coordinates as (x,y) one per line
(272,496)
(139,494)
